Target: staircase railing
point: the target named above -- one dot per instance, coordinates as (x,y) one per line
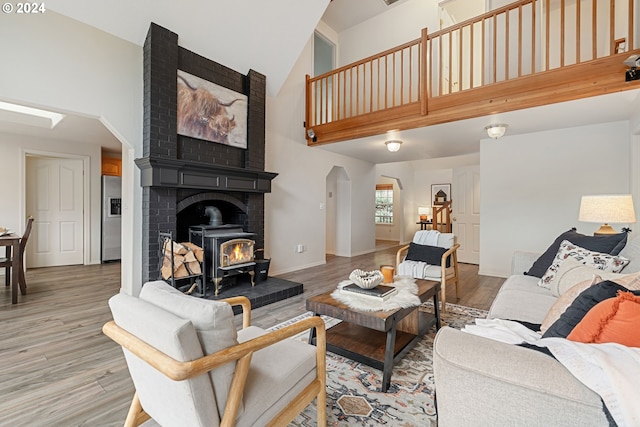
(520,39)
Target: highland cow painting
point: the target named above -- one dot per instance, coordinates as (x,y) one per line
(211,112)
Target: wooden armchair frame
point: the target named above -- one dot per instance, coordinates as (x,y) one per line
(451,277)
(242,353)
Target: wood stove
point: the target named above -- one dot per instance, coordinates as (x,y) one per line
(228,251)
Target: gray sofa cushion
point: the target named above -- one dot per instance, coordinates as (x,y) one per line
(169,403)
(632,252)
(520,298)
(213,322)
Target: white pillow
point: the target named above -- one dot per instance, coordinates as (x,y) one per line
(572,272)
(603,262)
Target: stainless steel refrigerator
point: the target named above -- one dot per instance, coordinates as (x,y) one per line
(111,217)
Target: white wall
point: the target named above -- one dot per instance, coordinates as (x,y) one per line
(13,149)
(54,62)
(398,25)
(532,185)
(292,210)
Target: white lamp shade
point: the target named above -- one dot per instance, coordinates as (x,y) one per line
(609,208)
(424,211)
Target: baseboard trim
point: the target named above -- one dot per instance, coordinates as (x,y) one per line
(296,268)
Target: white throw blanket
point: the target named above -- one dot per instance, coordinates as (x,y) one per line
(426,237)
(611,370)
(418,269)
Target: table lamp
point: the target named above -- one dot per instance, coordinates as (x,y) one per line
(424,213)
(606,209)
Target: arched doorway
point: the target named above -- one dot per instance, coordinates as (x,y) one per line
(338,212)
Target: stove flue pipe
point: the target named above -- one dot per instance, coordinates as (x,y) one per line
(215,217)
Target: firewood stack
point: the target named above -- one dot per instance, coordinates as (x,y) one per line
(186,259)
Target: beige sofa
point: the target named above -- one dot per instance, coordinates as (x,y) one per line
(482,382)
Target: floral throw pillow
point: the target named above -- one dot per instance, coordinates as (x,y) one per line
(604,262)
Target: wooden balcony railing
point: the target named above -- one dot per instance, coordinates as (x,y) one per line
(527,46)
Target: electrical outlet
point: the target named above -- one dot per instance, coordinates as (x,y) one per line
(299,248)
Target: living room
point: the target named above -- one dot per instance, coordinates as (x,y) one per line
(538,201)
(531,185)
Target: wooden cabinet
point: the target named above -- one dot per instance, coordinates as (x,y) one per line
(111,166)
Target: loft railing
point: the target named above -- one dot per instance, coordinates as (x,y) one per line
(521,39)
(379,82)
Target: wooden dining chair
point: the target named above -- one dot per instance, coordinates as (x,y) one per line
(7,261)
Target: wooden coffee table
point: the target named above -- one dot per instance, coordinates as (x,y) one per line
(376,338)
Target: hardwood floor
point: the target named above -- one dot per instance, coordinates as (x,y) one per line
(58,369)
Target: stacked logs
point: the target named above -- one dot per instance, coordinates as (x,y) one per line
(186,259)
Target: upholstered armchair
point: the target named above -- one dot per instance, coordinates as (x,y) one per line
(190,367)
(437,260)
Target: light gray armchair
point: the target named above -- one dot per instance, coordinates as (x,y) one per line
(191,368)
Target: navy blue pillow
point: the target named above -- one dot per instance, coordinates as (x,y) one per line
(432,255)
(581,305)
(611,244)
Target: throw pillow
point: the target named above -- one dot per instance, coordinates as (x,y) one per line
(605,262)
(214,325)
(573,271)
(564,301)
(614,320)
(611,244)
(581,305)
(629,281)
(432,255)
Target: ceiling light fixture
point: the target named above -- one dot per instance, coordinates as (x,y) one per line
(393,145)
(496,131)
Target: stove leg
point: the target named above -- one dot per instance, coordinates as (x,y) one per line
(216,282)
(252,274)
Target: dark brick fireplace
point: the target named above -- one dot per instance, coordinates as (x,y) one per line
(180,176)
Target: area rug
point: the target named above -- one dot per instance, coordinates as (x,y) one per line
(353,396)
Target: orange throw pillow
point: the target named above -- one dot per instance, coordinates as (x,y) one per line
(614,320)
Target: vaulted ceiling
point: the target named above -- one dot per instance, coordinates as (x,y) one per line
(268,37)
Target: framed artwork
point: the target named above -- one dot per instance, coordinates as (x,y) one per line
(440,193)
(211,112)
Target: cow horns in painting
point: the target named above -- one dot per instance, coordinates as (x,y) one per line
(211,112)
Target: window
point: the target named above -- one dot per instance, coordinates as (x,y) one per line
(384,204)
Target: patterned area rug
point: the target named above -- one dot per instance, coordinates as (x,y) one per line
(353,395)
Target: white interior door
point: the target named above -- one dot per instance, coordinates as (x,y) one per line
(466,212)
(55,199)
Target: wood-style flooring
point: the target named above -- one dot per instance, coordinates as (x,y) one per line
(58,369)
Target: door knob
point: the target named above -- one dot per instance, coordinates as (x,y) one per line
(454,219)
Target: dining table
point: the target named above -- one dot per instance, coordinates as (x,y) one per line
(12,242)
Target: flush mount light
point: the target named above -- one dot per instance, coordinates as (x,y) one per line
(393,145)
(496,131)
